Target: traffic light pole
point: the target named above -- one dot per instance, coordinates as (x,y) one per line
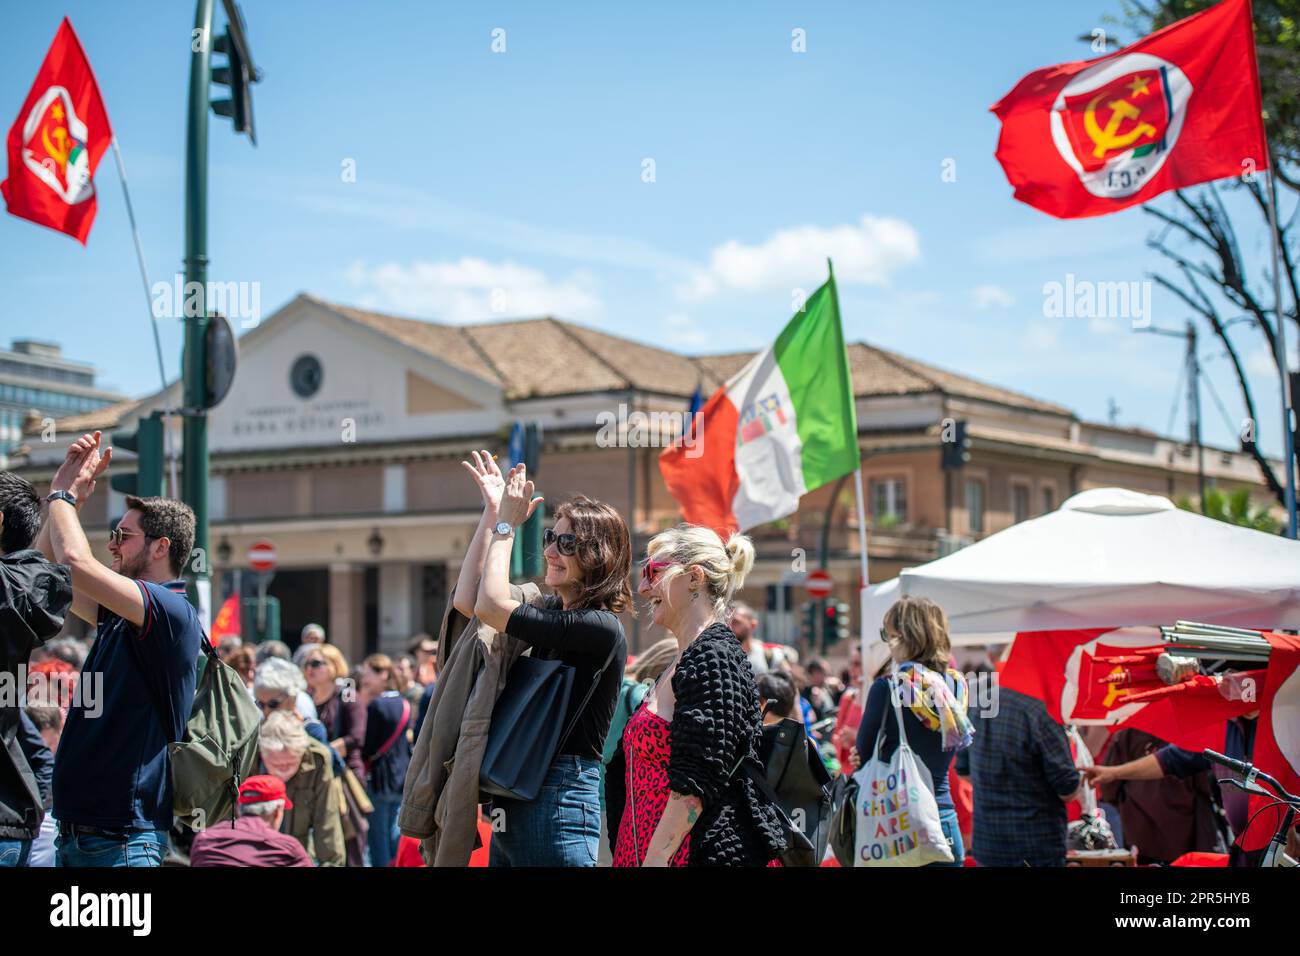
(195,455)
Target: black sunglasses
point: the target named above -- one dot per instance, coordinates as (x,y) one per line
(116,536)
(566,544)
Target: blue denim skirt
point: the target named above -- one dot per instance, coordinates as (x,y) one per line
(560,828)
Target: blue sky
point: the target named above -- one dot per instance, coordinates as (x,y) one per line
(522,174)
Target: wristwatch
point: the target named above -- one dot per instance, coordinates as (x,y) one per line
(503,528)
(67,496)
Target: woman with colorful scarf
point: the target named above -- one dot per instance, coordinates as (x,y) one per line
(916,630)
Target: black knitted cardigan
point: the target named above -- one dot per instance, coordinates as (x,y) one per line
(717,719)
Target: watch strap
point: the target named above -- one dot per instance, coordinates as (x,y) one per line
(67,496)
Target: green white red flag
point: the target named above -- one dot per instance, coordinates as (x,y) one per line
(780,427)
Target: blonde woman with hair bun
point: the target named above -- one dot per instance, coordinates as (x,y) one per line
(685,799)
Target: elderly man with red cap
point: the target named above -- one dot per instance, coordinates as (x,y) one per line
(254,839)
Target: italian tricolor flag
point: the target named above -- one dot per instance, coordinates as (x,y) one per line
(782,426)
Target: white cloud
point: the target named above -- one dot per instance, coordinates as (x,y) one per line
(866,253)
(684,332)
(987,296)
(474,290)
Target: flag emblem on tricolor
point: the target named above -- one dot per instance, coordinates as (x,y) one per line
(1116,123)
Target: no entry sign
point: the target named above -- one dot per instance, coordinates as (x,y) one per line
(818,584)
(261,555)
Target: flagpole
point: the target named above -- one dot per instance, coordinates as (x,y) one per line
(1288,438)
(153,324)
(857,487)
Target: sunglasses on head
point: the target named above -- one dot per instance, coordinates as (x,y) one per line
(116,536)
(566,543)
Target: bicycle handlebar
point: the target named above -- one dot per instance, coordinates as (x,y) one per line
(1216,757)
(1251,773)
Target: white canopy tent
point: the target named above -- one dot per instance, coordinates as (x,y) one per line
(1106,558)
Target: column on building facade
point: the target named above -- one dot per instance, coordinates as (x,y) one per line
(347,625)
(397,598)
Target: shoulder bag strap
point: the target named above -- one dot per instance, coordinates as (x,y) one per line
(586,698)
(401,726)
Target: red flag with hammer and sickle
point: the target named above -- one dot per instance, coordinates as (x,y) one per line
(1177,108)
(57,141)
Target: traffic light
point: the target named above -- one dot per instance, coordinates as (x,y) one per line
(239,75)
(956,452)
(808,623)
(147,443)
(840,632)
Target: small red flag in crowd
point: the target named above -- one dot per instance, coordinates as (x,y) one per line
(1177,108)
(57,141)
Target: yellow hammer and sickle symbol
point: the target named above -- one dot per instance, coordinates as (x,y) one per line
(1107,139)
(60,153)
(1114,691)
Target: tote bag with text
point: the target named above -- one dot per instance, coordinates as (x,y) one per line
(897,814)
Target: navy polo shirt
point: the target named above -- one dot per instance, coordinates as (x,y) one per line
(112,768)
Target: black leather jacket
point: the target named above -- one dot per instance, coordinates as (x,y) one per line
(34,597)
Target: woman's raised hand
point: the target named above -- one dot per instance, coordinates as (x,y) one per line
(491,483)
(517,501)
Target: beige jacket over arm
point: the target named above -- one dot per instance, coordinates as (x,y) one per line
(440,800)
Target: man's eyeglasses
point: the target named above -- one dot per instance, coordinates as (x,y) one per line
(268,706)
(651,570)
(116,536)
(566,543)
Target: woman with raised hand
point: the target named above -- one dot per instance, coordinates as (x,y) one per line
(588,561)
(688,800)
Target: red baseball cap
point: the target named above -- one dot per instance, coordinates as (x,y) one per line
(264,787)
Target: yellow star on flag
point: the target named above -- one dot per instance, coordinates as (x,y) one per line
(1139,85)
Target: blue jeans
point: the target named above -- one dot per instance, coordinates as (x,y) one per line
(560,828)
(383,835)
(14,852)
(948,820)
(137,848)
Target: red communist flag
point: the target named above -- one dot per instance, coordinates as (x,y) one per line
(57,141)
(1063,669)
(1177,108)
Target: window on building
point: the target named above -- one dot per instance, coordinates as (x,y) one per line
(1019,503)
(888,498)
(1049,499)
(975,505)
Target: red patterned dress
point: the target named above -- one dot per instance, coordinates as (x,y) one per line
(646,751)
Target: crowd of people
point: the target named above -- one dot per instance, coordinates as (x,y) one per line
(655,760)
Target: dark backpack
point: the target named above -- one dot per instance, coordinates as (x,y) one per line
(800,786)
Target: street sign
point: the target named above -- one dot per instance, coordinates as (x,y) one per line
(261,555)
(818,584)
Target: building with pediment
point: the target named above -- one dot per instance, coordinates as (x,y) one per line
(342,437)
